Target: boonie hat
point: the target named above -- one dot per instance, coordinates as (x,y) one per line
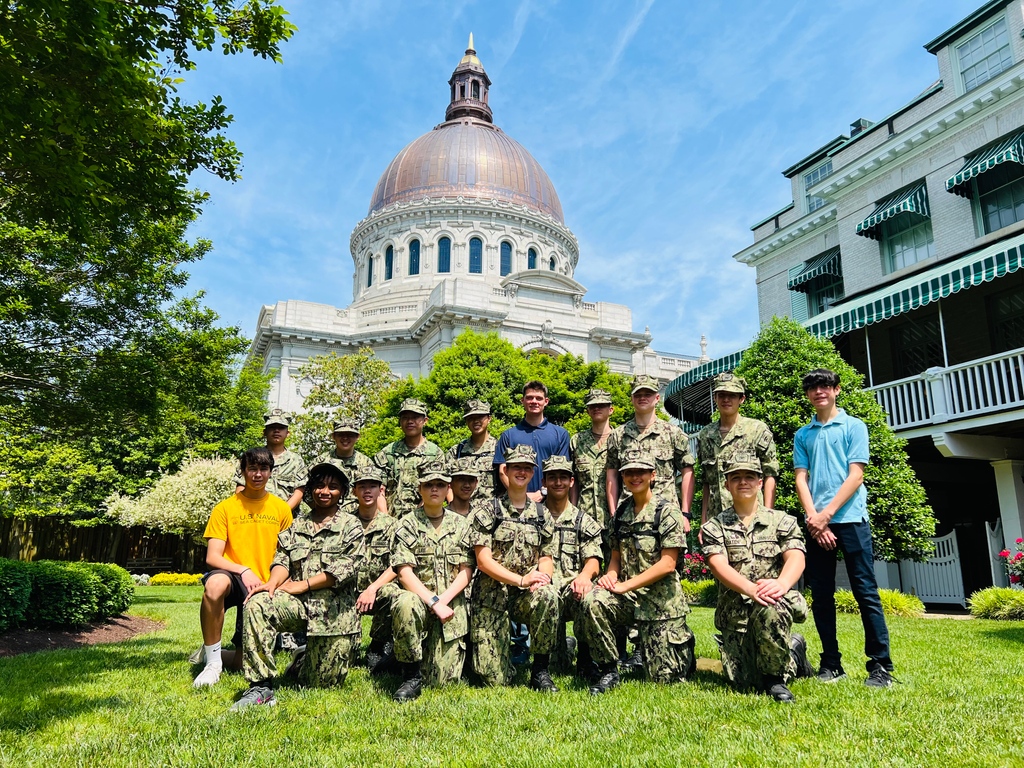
(367,472)
(346,425)
(636,459)
(277,417)
(434,470)
(412,405)
(464,468)
(739,461)
(598,397)
(476,407)
(644,381)
(557,464)
(729,382)
(521,454)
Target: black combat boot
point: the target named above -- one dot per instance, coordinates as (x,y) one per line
(586,669)
(798,650)
(776,688)
(380,658)
(609,678)
(540,678)
(412,685)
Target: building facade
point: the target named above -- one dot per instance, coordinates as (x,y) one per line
(464,230)
(904,244)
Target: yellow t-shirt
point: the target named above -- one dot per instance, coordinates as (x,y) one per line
(249,528)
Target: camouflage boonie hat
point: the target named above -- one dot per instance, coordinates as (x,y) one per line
(434,470)
(636,459)
(464,468)
(521,454)
(476,407)
(346,425)
(739,461)
(412,405)
(643,381)
(368,473)
(275,417)
(598,397)
(729,382)
(557,464)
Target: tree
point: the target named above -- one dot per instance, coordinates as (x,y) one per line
(901,520)
(343,386)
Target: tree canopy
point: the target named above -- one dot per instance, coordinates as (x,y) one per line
(901,520)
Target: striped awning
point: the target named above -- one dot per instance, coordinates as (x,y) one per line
(1009,150)
(995,261)
(912,199)
(688,397)
(826,263)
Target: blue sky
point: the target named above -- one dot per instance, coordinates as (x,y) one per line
(664,126)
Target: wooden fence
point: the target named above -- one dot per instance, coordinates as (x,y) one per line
(140,550)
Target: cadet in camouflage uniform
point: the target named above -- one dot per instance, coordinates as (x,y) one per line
(479,448)
(400,461)
(757,554)
(589,452)
(641,584)
(730,435)
(513,539)
(464,485)
(666,443)
(288,480)
(430,617)
(345,456)
(312,587)
(577,561)
(376,581)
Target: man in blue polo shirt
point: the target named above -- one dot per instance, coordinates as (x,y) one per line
(534,430)
(829,456)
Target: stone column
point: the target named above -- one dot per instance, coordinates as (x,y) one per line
(1010,488)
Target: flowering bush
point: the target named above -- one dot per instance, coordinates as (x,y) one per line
(694,568)
(142,579)
(176,580)
(1014,563)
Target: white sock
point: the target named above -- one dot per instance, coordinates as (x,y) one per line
(213,656)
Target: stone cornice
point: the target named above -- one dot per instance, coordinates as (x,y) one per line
(757,252)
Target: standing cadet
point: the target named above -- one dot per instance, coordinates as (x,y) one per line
(665,443)
(289,478)
(641,583)
(345,456)
(577,561)
(513,542)
(312,587)
(376,582)
(479,448)
(400,461)
(464,485)
(757,554)
(589,452)
(430,618)
(732,434)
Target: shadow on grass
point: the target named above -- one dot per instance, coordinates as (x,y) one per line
(149,598)
(1013,633)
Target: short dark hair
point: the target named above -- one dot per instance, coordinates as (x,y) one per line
(257,457)
(820,377)
(320,473)
(535,386)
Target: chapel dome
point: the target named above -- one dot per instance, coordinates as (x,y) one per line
(467,155)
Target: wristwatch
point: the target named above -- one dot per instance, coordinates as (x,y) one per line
(434,600)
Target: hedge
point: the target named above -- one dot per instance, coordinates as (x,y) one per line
(176,580)
(117,588)
(894,603)
(703,592)
(1001,603)
(15,590)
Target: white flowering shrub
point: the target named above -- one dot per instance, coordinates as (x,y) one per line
(180,503)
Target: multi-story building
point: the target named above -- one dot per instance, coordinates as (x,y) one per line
(904,245)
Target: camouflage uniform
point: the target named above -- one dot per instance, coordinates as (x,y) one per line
(517,540)
(348,465)
(482,460)
(436,558)
(400,465)
(328,615)
(378,537)
(659,610)
(589,461)
(746,436)
(666,443)
(755,638)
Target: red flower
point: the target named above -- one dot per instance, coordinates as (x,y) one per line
(1005,553)
(1020,541)
(1018,557)
(1014,578)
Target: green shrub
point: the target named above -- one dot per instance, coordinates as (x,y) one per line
(63,594)
(894,603)
(703,592)
(15,590)
(1001,603)
(176,580)
(117,589)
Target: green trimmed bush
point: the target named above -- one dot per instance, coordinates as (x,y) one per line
(704,592)
(1001,603)
(894,603)
(117,589)
(63,594)
(15,591)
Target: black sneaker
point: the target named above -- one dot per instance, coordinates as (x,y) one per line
(409,690)
(826,675)
(257,694)
(781,693)
(295,665)
(605,683)
(880,677)
(798,650)
(540,680)
(382,661)
(570,646)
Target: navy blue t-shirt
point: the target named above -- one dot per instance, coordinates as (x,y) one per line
(547,440)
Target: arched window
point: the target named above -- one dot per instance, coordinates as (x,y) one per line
(476,90)
(414,257)
(389,263)
(531,259)
(506,259)
(476,256)
(444,255)
(551,264)
(369,271)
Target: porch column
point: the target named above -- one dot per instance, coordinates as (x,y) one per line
(1010,488)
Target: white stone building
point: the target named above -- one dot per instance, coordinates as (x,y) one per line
(464,230)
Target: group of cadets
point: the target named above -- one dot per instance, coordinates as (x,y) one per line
(446,550)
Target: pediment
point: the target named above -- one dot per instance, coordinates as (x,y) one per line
(544,280)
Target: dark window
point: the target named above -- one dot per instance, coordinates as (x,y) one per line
(551,264)
(824,293)
(476,90)
(444,255)
(1000,196)
(369,271)
(916,346)
(506,259)
(1006,319)
(389,263)
(531,259)
(414,257)
(476,256)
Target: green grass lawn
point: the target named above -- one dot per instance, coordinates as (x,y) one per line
(961,704)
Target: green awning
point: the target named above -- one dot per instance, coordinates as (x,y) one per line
(1010,150)
(995,261)
(688,397)
(826,263)
(913,200)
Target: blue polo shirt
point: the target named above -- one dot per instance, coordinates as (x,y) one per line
(826,451)
(546,439)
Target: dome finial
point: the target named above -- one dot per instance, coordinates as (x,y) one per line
(469,84)
(470,48)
